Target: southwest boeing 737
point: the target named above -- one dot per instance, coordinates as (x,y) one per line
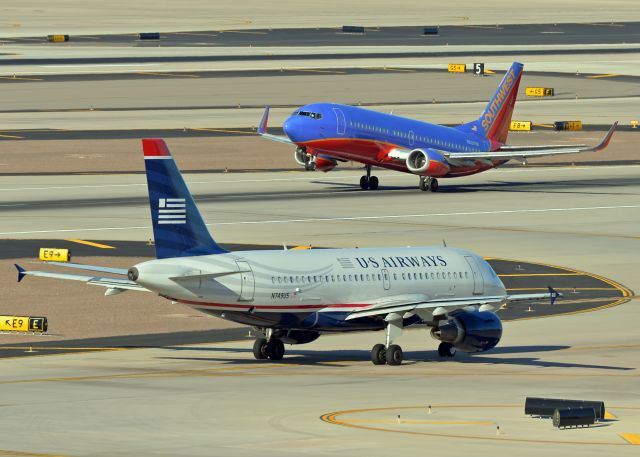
(292,296)
(327,133)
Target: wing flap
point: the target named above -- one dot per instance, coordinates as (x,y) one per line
(521,152)
(448,303)
(411,303)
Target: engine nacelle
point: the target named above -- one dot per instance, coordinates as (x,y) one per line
(325,163)
(300,156)
(427,162)
(296,336)
(470,331)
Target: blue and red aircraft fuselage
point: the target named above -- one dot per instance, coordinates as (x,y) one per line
(330,130)
(327,133)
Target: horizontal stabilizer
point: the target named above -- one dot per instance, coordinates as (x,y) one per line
(111,283)
(113,271)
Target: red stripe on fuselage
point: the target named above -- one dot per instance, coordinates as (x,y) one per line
(374,152)
(270,307)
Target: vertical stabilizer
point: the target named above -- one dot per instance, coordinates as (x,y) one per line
(178,228)
(496,118)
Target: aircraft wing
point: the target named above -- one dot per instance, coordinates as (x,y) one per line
(522,152)
(412,303)
(114,285)
(262,129)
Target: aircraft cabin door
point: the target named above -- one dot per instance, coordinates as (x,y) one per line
(478,280)
(247,281)
(386,280)
(341,125)
(412,137)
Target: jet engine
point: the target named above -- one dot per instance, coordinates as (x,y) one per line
(296,336)
(427,163)
(325,163)
(469,331)
(300,156)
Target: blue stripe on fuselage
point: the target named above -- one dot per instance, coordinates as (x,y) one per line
(365,124)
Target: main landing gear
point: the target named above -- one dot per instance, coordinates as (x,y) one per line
(446,350)
(268,348)
(389,354)
(428,184)
(368,181)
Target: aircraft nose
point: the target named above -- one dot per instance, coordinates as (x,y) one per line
(290,127)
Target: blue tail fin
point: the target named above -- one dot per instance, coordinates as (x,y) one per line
(178,228)
(496,118)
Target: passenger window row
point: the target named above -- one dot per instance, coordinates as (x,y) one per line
(406,135)
(319,279)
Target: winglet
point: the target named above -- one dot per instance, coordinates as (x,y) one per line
(262,128)
(21,272)
(553,294)
(605,141)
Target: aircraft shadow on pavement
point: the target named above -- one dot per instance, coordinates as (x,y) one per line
(590,186)
(337,358)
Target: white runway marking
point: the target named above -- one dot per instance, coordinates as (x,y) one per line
(101,65)
(386,175)
(353,218)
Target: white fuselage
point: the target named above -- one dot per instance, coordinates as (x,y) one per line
(300,289)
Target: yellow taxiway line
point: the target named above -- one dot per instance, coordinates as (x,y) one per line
(631,438)
(91,243)
(28,454)
(602,76)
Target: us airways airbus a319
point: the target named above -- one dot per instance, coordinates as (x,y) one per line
(292,296)
(327,133)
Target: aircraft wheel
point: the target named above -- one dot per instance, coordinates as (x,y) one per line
(373,183)
(446,350)
(433,185)
(310,166)
(394,355)
(260,349)
(423,185)
(275,349)
(364,183)
(379,354)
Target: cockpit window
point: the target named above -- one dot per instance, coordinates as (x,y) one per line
(310,114)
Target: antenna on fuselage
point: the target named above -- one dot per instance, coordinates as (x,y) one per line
(444,242)
(284,245)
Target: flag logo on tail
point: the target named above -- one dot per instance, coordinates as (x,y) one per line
(172,211)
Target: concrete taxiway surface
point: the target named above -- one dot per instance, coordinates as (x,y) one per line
(41,17)
(216,399)
(598,33)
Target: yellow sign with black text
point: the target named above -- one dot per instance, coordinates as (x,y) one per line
(23,324)
(457,68)
(520,125)
(55,255)
(539,91)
